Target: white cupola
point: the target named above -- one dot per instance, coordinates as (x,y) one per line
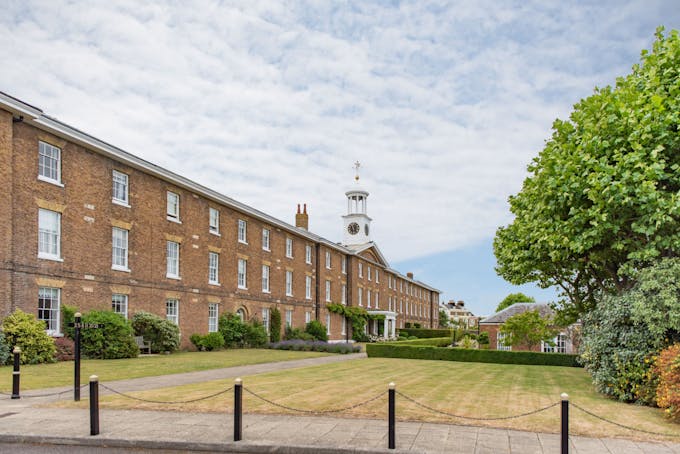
(357,224)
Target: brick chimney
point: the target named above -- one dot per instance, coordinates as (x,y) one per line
(410,275)
(302,218)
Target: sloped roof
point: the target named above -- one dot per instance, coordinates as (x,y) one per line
(518,308)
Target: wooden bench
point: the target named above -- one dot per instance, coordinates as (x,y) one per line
(142,344)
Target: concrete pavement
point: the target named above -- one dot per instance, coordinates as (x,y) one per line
(28,421)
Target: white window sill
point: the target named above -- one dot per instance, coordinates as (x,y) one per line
(308,298)
(243,242)
(170,276)
(289,294)
(308,263)
(328,268)
(266,291)
(212,232)
(121,268)
(289,257)
(215,283)
(53,258)
(122,203)
(328,301)
(242,288)
(171,219)
(266,249)
(51,181)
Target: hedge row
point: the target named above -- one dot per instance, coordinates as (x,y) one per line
(424,333)
(400,350)
(434,341)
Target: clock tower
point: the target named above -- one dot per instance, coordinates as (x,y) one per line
(357,224)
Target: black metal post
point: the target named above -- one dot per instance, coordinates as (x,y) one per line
(238,410)
(76,363)
(16,373)
(391,416)
(565,424)
(94,405)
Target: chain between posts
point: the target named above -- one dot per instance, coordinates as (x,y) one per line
(588,412)
(173,402)
(319,412)
(410,399)
(58,393)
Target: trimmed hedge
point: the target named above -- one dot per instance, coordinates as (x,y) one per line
(399,350)
(434,342)
(424,333)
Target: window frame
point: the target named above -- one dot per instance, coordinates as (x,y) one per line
(328,291)
(214,221)
(213,268)
(308,254)
(42,157)
(289,283)
(289,318)
(125,248)
(126,185)
(174,214)
(172,303)
(328,260)
(265,278)
(289,247)
(116,305)
(308,287)
(243,231)
(213,317)
(242,274)
(172,260)
(52,325)
(266,240)
(53,236)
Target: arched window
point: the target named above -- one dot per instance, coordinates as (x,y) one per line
(241,314)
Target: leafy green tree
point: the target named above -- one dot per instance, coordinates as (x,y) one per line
(163,334)
(443,319)
(5,354)
(528,329)
(232,329)
(514,298)
(316,329)
(601,198)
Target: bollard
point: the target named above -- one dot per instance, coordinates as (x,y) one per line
(238,409)
(16,373)
(94,405)
(76,362)
(565,424)
(391,416)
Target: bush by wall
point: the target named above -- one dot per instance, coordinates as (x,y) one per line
(275,325)
(65,349)
(424,333)
(316,329)
(256,335)
(28,333)
(667,367)
(4,350)
(316,346)
(163,334)
(208,343)
(114,340)
(296,333)
(400,350)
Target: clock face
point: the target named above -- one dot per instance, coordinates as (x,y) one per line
(366,229)
(353,228)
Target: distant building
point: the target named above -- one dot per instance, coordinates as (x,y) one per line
(566,340)
(460,315)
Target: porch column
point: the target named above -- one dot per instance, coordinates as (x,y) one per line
(394,326)
(385,331)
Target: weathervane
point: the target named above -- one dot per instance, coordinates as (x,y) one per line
(356,167)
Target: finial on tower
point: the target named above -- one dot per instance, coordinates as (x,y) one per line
(356,169)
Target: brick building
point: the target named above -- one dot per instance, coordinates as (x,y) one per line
(89,225)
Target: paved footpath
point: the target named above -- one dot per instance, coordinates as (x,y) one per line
(67,430)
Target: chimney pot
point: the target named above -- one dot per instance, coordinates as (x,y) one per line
(410,275)
(302,219)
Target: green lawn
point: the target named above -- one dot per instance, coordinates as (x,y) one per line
(470,389)
(61,374)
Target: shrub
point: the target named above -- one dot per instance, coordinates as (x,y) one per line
(416,325)
(316,329)
(412,338)
(232,329)
(114,340)
(163,334)
(667,367)
(616,351)
(433,341)
(5,353)
(483,338)
(425,333)
(68,316)
(256,335)
(65,349)
(468,342)
(398,350)
(209,342)
(275,325)
(28,333)
(296,333)
(317,346)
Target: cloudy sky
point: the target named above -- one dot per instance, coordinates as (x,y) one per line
(444,103)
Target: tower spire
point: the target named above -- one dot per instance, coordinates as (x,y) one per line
(356,170)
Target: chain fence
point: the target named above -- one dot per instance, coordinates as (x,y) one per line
(602,418)
(29,396)
(318,412)
(169,402)
(473,418)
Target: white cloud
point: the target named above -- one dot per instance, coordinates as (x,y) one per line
(270,103)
